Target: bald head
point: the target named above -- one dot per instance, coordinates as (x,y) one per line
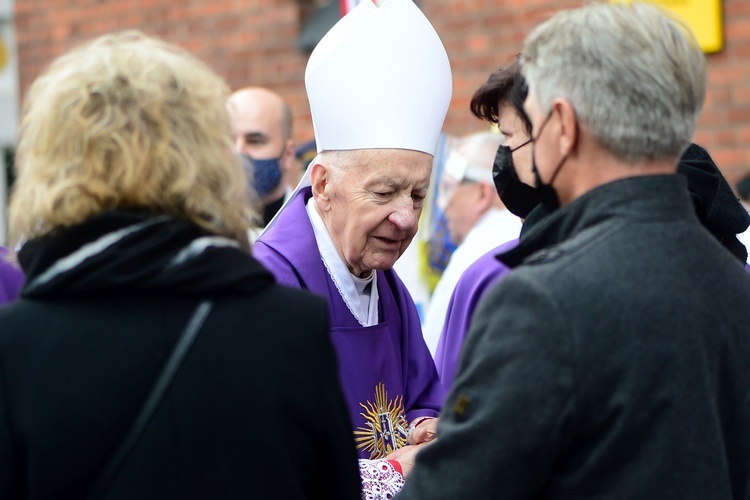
(261,122)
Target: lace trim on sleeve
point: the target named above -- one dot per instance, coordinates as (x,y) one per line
(380,479)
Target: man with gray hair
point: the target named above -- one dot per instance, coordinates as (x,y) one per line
(612,362)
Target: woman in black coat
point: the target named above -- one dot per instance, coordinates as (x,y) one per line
(134,210)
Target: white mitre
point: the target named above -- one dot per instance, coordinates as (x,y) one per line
(379,79)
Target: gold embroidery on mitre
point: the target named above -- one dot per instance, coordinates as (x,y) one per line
(385,428)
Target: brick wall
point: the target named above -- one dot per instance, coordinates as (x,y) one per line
(248,42)
(252,42)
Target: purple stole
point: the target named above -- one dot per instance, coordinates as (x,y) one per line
(386,371)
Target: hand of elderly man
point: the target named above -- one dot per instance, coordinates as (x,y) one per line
(424,432)
(406,456)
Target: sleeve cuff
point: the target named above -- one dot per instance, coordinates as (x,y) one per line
(381,479)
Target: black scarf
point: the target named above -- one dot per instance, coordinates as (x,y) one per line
(126,253)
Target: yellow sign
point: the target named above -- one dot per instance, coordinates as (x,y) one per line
(704,17)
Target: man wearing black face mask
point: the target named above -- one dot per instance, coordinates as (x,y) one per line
(611,362)
(262,133)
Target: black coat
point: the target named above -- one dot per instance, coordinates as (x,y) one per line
(614,363)
(255,411)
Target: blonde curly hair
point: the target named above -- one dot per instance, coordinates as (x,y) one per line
(128,121)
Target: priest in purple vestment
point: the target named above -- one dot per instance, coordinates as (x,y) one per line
(379,86)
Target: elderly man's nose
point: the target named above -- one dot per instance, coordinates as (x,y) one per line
(405,217)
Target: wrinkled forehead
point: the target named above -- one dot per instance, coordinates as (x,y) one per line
(414,166)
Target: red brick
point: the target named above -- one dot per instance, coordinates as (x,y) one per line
(736,8)
(743,135)
(703,137)
(726,137)
(741,94)
(727,158)
(727,75)
(738,29)
(709,118)
(739,114)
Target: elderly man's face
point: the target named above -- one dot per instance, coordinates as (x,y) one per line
(372,210)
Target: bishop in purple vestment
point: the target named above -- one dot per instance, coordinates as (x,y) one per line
(379,86)
(386,370)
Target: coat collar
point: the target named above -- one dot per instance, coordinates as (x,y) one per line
(124,252)
(641,197)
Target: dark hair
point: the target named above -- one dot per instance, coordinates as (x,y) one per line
(507,85)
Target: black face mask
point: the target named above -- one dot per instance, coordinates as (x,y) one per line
(517,197)
(547,194)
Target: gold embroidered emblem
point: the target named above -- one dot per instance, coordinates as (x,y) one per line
(385,428)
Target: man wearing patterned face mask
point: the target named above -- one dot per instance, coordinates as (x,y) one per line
(262,133)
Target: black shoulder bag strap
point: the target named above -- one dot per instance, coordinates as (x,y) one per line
(186,339)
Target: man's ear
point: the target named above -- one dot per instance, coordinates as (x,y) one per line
(319,180)
(568,126)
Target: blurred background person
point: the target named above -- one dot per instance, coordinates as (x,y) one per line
(133,207)
(262,132)
(476,218)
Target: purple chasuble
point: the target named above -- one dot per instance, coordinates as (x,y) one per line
(471,287)
(11,279)
(386,371)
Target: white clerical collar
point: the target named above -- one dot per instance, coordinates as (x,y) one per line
(361,299)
